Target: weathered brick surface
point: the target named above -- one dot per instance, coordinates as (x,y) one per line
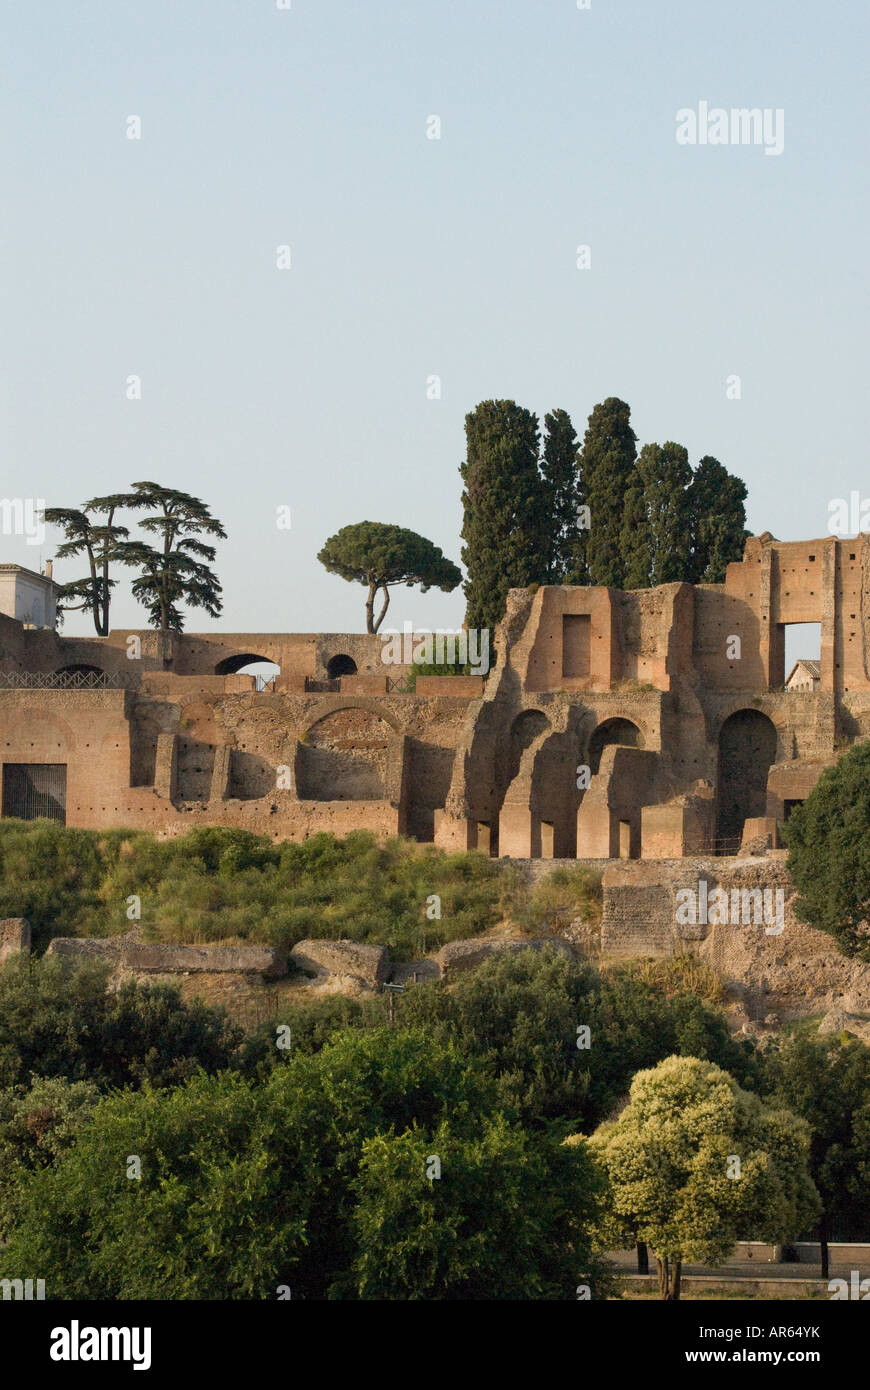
(685,740)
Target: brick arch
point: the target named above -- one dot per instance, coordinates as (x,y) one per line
(615,729)
(351,759)
(778,717)
(370,706)
(20,734)
(746,748)
(230,665)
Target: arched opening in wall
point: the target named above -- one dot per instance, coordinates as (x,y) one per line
(260,668)
(80,673)
(340,665)
(747,747)
(346,756)
(619,731)
(525,729)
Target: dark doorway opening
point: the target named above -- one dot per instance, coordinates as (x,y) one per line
(34,790)
(747,747)
(341,665)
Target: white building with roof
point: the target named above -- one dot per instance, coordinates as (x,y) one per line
(28,597)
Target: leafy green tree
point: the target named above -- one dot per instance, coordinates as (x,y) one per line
(229,1175)
(718,521)
(177,569)
(517,1016)
(245,1186)
(827,1082)
(507,1217)
(665,474)
(101,543)
(607,468)
(694,1164)
(505,521)
(380,556)
(38,1122)
(60,1022)
(566,538)
(828,840)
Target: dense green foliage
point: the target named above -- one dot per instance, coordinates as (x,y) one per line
(150,1148)
(545,511)
(247,1187)
(379,556)
(265,1167)
(505,523)
(827,1082)
(695,1163)
(828,840)
(215,884)
(607,468)
(55,1023)
(718,513)
(565,561)
(518,1016)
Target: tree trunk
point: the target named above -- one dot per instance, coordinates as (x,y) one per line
(670,1272)
(370,608)
(824,1233)
(380,617)
(642,1258)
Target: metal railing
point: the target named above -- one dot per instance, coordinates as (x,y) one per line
(63,680)
(327,687)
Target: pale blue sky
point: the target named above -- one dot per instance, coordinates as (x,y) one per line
(412,257)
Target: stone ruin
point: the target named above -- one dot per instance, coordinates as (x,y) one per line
(651,724)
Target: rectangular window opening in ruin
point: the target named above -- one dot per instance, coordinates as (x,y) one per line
(788,806)
(796,642)
(576,644)
(35,790)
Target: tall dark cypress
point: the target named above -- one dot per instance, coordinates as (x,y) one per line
(665,473)
(607,462)
(505,524)
(635,540)
(718,521)
(565,559)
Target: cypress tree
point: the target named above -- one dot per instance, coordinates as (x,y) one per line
(718,521)
(607,462)
(665,473)
(565,541)
(635,539)
(505,524)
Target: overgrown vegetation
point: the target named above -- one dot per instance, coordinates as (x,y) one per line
(309,1166)
(217,884)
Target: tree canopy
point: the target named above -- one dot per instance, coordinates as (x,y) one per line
(101,543)
(380,556)
(828,840)
(178,569)
(506,525)
(695,1164)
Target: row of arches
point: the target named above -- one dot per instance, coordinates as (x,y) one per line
(746,749)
